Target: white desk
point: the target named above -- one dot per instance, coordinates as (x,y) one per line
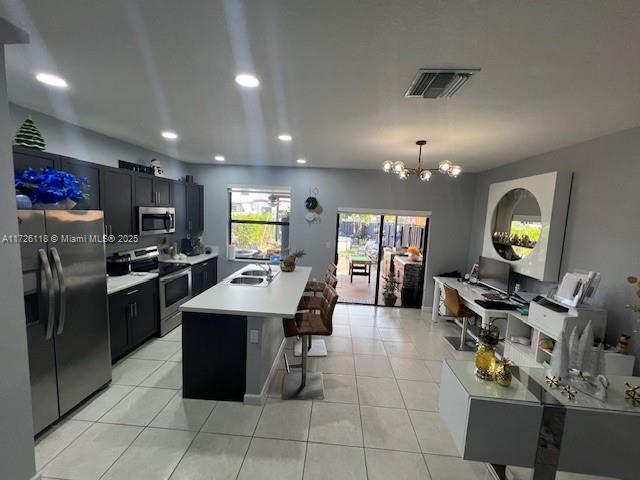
(468,294)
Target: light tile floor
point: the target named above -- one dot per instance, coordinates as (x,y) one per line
(378,420)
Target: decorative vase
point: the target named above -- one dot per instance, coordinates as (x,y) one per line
(502,372)
(485,361)
(67,204)
(287,267)
(23,202)
(390,300)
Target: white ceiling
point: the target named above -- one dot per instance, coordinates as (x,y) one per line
(333,74)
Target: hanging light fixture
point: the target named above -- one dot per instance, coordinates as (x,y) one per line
(445,167)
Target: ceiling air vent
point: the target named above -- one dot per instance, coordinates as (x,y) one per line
(438,83)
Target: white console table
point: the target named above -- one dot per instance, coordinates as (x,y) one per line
(532,425)
(468,294)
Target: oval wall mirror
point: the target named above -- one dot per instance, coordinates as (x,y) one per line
(517,224)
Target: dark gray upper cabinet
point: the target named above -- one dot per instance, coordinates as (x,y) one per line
(24,158)
(195,208)
(144,191)
(162,187)
(118,192)
(179,194)
(91,172)
(152,191)
(117,200)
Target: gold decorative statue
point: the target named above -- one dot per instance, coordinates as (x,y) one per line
(486,353)
(502,372)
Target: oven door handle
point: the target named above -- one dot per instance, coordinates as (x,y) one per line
(173,276)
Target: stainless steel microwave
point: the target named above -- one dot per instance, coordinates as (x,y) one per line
(156,220)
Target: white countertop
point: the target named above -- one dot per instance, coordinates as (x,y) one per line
(194,259)
(122,282)
(279,299)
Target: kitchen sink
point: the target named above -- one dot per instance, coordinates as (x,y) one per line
(254,273)
(247,280)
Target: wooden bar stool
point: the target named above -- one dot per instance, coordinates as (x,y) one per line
(317,346)
(308,385)
(459,312)
(318,287)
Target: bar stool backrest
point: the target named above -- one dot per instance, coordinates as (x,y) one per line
(452,300)
(330,280)
(329,300)
(332,269)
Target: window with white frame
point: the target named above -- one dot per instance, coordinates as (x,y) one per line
(259,221)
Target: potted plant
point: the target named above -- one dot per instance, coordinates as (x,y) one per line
(51,188)
(288,263)
(389,289)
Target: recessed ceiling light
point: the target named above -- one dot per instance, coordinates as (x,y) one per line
(285,137)
(219,158)
(169,135)
(247,80)
(301,161)
(52,80)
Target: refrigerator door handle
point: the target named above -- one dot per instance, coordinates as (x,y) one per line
(62,290)
(51,300)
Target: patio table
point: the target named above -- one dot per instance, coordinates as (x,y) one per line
(359,265)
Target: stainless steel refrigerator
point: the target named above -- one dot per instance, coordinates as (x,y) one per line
(65,296)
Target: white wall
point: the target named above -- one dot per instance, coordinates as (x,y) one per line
(449,200)
(16,424)
(67,139)
(603,232)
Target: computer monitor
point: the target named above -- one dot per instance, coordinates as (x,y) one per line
(494,274)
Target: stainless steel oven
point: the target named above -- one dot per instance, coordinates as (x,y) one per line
(156,220)
(175,289)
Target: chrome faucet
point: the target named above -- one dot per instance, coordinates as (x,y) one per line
(267,270)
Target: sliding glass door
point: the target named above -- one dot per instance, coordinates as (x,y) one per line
(370,246)
(357,255)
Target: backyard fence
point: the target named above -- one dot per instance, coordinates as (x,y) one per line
(363,230)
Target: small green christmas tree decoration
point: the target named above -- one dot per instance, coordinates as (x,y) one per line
(29,136)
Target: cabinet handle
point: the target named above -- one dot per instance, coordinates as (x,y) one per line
(130,311)
(131,292)
(205,264)
(135,309)
(189,225)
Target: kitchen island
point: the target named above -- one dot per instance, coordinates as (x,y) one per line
(232,335)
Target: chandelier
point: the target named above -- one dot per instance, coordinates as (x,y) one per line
(445,167)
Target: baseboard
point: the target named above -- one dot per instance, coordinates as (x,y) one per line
(427,309)
(252,398)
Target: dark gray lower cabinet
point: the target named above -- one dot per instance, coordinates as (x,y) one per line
(204,275)
(133,317)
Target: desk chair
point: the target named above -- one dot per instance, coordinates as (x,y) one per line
(308,385)
(458,311)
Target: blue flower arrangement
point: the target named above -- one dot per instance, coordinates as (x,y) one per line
(51,186)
